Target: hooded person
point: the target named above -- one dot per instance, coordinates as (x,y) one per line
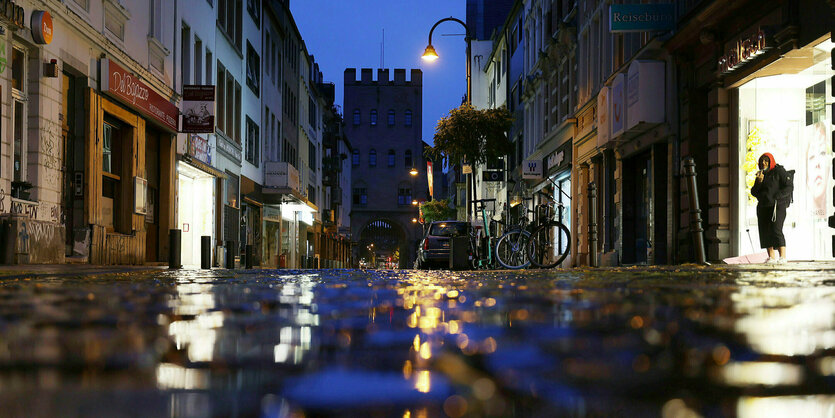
(773,197)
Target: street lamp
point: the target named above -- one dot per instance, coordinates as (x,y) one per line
(413,171)
(431,55)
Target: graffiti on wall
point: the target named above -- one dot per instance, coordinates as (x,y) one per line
(24,208)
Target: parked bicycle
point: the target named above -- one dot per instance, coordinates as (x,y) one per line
(511,247)
(481,248)
(549,243)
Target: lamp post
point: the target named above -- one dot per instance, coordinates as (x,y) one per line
(431,55)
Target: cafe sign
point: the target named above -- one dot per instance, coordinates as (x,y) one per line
(742,51)
(119,83)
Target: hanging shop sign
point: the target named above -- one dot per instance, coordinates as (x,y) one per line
(618,115)
(641,17)
(41,25)
(532,169)
(198,109)
(742,50)
(119,83)
(644,94)
(492,175)
(603,126)
(280,175)
(430,179)
(199,148)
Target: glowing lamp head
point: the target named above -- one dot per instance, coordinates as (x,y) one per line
(429,54)
(413,171)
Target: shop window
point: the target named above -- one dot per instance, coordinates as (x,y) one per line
(253,69)
(407,118)
(114,200)
(373,117)
(372,158)
(391,157)
(408,159)
(252,151)
(232,187)
(355,157)
(391,117)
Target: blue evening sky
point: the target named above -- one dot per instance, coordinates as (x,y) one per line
(344,34)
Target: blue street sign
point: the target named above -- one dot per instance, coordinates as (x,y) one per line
(641,17)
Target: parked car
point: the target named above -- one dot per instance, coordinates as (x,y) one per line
(433,250)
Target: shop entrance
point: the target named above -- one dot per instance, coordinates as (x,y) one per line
(72,129)
(196,205)
(786,110)
(637,198)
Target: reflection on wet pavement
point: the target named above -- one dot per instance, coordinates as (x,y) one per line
(670,343)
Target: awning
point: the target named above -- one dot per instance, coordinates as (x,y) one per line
(203,166)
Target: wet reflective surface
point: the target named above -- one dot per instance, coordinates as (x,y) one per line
(629,342)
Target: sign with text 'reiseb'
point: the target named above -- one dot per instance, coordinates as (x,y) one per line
(198,109)
(130,90)
(641,17)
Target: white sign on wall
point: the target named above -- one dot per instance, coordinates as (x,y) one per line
(618,110)
(603,126)
(532,169)
(645,97)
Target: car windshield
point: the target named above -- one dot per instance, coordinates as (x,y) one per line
(448,229)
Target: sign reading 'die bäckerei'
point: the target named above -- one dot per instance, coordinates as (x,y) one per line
(125,86)
(641,17)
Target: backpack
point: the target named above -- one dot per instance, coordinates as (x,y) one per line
(787,184)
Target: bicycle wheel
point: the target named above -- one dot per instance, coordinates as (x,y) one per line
(511,249)
(548,245)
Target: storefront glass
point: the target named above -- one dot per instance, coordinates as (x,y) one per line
(789,116)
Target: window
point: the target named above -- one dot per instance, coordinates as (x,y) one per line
(107,148)
(404,196)
(372,158)
(229,18)
(408,159)
(113,199)
(18,69)
(156,19)
(407,118)
(391,117)
(232,189)
(311,112)
(220,116)
(311,155)
(208,66)
(360,196)
(19,153)
(253,69)
(237,112)
(252,142)
(115,16)
(254,9)
(185,56)
(391,158)
(355,157)
(357,117)
(373,117)
(198,61)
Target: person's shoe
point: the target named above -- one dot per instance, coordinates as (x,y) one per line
(782,260)
(772,260)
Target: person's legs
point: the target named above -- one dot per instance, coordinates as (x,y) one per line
(782,252)
(770,252)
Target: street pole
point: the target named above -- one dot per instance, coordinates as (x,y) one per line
(431,55)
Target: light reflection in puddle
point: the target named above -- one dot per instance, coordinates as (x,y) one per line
(172,376)
(809,406)
(786,321)
(761,373)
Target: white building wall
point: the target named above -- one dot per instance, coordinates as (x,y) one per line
(251,98)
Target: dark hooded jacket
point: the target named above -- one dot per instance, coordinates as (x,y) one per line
(772,188)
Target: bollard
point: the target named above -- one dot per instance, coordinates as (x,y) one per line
(689,170)
(592,224)
(249,256)
(174,248)
(205,252)
(230,254)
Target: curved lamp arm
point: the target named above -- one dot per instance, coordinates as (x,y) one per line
(466,30)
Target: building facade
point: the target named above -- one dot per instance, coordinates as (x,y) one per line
(384,125)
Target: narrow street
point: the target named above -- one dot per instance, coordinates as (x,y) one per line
(658,341)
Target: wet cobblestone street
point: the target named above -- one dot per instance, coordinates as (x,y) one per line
(670,342)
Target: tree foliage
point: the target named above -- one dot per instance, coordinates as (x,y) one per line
(437,210)
(474,136)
